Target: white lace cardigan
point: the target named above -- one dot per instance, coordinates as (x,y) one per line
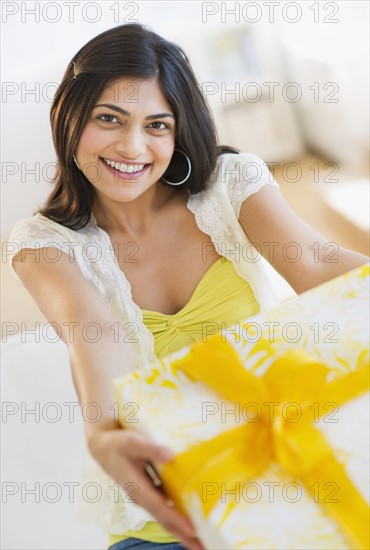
(216,211)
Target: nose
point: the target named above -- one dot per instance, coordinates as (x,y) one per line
(131,143)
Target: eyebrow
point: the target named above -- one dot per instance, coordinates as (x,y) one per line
(126,113)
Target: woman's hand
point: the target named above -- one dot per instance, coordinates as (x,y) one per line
(94,365)
(123,454)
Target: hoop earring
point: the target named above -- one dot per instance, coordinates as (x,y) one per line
(76,163)
(187,175)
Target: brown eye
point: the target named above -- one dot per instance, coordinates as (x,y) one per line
(164,126)
(107,118)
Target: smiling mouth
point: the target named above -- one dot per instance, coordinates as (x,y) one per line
(124,168)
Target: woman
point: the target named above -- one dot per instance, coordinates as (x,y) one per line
(154,223)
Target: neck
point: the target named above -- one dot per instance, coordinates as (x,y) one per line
(135,217)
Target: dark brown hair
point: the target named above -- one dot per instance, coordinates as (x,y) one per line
(130,50)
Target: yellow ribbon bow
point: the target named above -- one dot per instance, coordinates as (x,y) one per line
(244,452)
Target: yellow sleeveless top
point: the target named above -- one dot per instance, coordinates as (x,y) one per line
(220,299)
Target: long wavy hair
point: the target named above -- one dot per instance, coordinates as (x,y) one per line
(129,50)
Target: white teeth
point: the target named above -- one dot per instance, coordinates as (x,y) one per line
(127,168)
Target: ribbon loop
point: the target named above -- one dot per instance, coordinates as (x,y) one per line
(297,446)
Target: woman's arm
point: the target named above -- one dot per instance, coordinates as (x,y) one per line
(66,298)
(299,253)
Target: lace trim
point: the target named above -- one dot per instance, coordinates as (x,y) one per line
(247,175)
(216,211)
(123,299)
(34,233)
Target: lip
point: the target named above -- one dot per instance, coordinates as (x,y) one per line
(119,175)
(128,162)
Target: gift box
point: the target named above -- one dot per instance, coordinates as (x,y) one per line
(269,421)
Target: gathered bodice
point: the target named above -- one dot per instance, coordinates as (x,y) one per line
(220,298)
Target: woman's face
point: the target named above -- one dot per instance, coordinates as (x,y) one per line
(128,141)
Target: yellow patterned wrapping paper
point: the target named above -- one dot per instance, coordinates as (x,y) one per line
(269,420)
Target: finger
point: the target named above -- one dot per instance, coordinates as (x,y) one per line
(170,505)
(139,447)
(156,503)
(173,520)
(170,518)
(191,544)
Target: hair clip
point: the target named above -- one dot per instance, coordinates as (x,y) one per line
(74,70)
